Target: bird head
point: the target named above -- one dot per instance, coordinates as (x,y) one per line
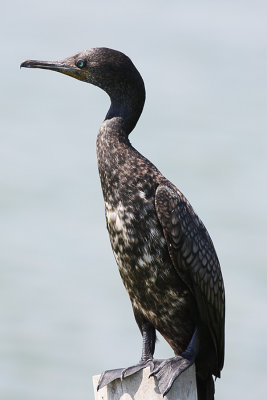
(108,69)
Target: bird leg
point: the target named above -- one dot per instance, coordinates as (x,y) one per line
(167,371)
(149,339)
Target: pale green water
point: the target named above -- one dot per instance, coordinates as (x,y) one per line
(64,312)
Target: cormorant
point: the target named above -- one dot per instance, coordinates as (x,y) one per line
(165,255)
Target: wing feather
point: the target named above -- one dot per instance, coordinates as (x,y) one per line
(195,260)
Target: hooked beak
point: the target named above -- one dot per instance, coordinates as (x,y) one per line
(64,67)
(53,65)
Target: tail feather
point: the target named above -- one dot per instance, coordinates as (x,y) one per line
(205,388)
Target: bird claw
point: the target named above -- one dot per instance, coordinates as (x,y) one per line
(169,370)
(109,376)
(135,368)
(121,373)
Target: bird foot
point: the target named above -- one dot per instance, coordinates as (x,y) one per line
(109,376)
(121,373)
(167,371)
(135,368)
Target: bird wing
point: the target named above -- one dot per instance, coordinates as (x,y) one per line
(195,260)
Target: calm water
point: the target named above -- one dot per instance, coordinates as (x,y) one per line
(64,312)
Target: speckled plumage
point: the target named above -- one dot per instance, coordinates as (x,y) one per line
(129,183)
(165,256)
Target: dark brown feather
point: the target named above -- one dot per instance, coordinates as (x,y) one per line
(195,260)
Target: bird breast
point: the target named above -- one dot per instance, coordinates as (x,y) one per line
(144,264)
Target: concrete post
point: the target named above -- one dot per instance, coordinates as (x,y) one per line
(140,387)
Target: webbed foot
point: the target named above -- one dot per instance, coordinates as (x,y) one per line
(121,373)
(135,368)
(149,338)
(109,376)
(167,371)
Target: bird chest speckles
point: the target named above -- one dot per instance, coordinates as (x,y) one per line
(119,221)
(136,240)
(141,253)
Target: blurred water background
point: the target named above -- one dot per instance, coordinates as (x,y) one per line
(63,309)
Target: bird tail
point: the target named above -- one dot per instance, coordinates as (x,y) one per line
(205,388)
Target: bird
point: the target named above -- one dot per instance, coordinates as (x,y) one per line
(165,256)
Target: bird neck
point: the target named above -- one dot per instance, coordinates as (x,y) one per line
(114,152)
(127,105)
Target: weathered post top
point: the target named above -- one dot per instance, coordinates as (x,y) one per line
(140,387)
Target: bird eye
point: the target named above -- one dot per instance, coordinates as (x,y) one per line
(81,63)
